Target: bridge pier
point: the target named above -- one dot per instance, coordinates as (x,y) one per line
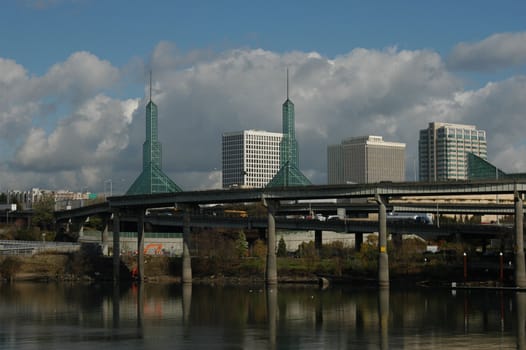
(81,227)
(140,246)
(187,260)
(104,234)
(383,258)
(358,241)
(520,266)
(318,241)
(271,266)
(116,246)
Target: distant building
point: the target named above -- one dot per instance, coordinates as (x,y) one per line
(365,159)
(443,150)
(250,158)
(64,199)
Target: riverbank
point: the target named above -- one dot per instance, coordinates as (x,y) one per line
(78,267)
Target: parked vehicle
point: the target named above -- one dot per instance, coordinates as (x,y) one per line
(418,218)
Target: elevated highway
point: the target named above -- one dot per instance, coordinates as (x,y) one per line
(380,194)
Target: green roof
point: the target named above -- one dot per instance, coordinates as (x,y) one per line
(480,169)
(153,180)
(288,175)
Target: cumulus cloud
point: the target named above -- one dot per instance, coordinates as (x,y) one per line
(89,136)
(503,50)
(93,135)
(363,92)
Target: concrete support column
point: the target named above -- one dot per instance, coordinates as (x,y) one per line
(318,240)
(358,241)
(272,266)
(520,268)
(81,229)
(104,235)
(140,246)
(116,246)
(383,259)
(187,260)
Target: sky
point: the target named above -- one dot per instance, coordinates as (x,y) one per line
(74,82)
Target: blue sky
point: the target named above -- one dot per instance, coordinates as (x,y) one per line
(39,33)
(74,79)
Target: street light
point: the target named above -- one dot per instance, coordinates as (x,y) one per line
(465,267)
(111,189)
(501,267)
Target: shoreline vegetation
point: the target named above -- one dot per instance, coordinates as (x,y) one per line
(353,269)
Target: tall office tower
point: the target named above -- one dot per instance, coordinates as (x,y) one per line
(152,179)
(251,158)
(365,159)
(289,173)
(443,148)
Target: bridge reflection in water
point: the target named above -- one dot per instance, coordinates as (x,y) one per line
(257,317)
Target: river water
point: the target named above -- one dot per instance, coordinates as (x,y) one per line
(166,316)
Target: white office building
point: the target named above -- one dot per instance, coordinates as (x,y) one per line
(250,158)
(365,159)
(443,148)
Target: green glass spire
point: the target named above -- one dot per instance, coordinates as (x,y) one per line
(289,173)
(152,178)
(289,145)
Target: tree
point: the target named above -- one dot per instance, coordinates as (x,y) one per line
(43,212)
(259,249)
(242,245)
(282,248)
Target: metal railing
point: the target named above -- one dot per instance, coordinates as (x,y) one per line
(14,247)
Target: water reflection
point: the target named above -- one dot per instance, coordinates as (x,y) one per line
(521,321)
(183,317)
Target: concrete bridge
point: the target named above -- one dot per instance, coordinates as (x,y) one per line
(379,195)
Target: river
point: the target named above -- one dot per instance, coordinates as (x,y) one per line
(169,316)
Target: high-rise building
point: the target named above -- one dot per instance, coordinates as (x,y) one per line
(289,173)
(152,179)
(443,149)
(365,159)
(251,158)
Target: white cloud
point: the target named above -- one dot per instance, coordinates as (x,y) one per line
(72,134)
(363,92)
(93,135)
(503,50)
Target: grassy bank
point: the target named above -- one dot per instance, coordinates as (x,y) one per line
(79,266)
(225,258)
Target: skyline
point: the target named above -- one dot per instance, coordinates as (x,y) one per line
(74,82)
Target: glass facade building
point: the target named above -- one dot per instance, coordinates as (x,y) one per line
(443,150)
